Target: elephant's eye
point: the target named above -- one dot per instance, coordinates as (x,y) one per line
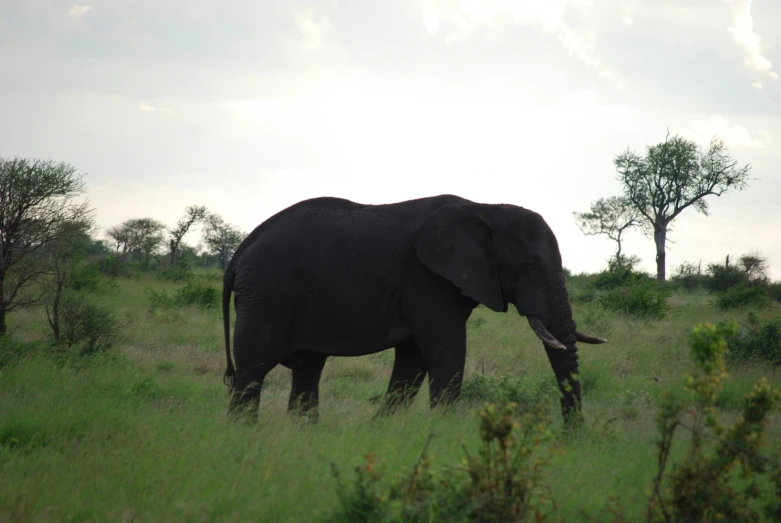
(528,267)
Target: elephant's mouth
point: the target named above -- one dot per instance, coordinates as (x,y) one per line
(550,340)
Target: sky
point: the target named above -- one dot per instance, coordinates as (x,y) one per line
(249,106)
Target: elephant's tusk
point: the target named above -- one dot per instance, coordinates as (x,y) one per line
(542,332)
(588,338)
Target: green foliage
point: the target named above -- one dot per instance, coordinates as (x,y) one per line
(194,294)
(620,272)
(505,481)
(480,388)
(702,487)
(774,291)
(112,266)
(758,340)
(688,276)
(88,325)
(742,296)
(722,277)
(179,273)
(645,299)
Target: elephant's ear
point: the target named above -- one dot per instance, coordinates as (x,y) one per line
(456,244)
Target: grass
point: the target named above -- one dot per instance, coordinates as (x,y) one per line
(140,433)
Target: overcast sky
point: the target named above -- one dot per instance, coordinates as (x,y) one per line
(249,106)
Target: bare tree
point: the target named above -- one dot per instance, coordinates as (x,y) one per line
(610,217)
(673,176)
(193,214)
(36,198)
(221,238)
(140,235)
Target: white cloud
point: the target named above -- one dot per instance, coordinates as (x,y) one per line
(78,11)
(757,85)
(628,17)
(743,32)
(466,16)
(736,136)
(312,31)
(145,107)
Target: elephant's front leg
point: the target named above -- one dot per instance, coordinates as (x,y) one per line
(305,391)
(409,370)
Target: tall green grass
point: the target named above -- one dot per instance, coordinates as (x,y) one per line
(140,433)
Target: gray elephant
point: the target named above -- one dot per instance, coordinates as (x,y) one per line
(331,277)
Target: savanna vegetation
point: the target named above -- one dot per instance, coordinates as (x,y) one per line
(112,405)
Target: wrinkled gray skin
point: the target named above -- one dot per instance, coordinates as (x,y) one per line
(330,277)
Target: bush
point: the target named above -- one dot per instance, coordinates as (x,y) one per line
(642,299)
(177,274)
(741,296)
(196,294)
(774,291)
(112,267)
(483,389)
(505,481)
(702,486)
(619,273)
(87,324)
(688,276)
(758,340)
(722,277)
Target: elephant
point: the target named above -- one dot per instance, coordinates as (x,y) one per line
(331,277)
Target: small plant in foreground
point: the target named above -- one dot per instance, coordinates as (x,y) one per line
(702,487)
(503,482)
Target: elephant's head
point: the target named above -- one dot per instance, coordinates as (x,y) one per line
(501,254)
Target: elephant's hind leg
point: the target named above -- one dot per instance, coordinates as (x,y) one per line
(409,371)
(305,393)
(257,350)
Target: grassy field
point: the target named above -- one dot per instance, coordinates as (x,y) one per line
(140,433)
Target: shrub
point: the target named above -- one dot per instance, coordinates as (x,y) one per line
(722,277)
(642,299)
(774,291)
(176,274)
(758,340)
(688,276)
(505,481)
(112,267)
(702,487)
(196,294)
(741,296)
(487,389)
(87,324)
(619,273)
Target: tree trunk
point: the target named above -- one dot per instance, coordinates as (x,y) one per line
(2,301)
(660,238)
(54,319)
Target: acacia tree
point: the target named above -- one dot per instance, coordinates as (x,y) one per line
(140,235)
(610,217)
(221,238)
(673,176)
(36,198)
(192,215)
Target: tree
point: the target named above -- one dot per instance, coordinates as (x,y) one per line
(36,198)
(73,241)
(673,176)
(221,238)
(754,265)
(140,235)
(193,214)
(609,216)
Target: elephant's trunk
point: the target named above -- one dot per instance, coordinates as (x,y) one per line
(560,348)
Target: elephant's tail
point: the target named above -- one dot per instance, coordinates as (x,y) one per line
(227,288)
